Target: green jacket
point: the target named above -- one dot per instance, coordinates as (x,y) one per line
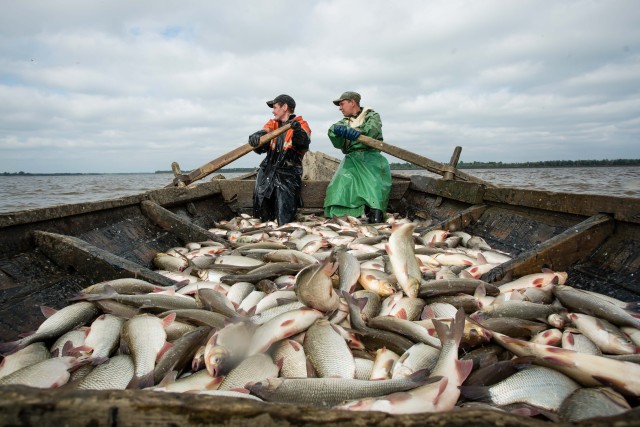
(363,177)
(371,127)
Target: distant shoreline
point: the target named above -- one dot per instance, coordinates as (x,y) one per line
(393,166)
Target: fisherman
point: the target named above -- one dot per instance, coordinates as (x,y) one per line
(362,183)
(277,191)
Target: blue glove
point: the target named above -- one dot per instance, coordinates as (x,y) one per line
(346,132)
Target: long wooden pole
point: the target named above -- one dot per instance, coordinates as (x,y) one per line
(223,160)
(424,162)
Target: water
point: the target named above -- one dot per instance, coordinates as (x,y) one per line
(29,192)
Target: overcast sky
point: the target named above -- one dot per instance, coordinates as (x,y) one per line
(130,86)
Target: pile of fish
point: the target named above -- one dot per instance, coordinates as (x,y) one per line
(346,315)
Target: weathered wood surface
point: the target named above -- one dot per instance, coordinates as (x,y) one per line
(182,227)
(461,220)
(164,197)
(620,208)
(559,252)
(220,162)
(94,263)
(424,162)
(23,406)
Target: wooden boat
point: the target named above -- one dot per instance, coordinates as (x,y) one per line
(48,255)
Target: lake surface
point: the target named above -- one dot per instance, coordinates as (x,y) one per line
(29,192)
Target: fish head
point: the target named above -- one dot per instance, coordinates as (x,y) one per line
(215,360)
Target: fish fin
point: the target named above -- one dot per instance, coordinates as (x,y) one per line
(398,397)
(6,348)
(481,291)
(464,274)
(48,311)
(427,313)
(169,378)
(476,392)
(481,259)
(214,383)
(402,314)
(464,368)
(168,320)
(99,360)
(442,387)
(69,350)
(141,382)
(633,308)
(311,370)
(181,284)
(166,347)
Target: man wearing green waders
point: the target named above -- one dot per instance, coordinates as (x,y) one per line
(362,183)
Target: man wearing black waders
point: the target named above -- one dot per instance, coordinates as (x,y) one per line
(277,192)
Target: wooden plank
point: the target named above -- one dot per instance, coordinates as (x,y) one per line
(175,224)
(225,159)
(424,162)
(20,405)
(467,192)
(99,265)
(559,252)
(620,208)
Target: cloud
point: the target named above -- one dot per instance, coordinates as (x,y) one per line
(132,86)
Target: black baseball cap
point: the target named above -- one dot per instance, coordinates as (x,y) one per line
(283,99)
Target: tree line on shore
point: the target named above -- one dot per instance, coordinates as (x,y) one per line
(542,164)
(410,166)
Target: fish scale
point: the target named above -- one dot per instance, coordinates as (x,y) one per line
(538,386)
(328,351)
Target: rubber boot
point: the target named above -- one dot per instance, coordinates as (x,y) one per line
(376,216)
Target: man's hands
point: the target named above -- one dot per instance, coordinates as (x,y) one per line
(254,138)
(295,125)
(346,132)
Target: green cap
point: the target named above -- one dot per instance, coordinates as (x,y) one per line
(353,96)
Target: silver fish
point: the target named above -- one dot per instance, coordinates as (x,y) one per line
(254,368)
(328,351)
(103,337)
(58,322)
(383,363)
(588,303)
(401,251)
(419,357)
(538,386)
(180,354)
(49,373)
(282,326)
(27,356)
(115,374)
(314,287)
(290,356)
(327,392)
(145,337)
(605,335)
(587,403)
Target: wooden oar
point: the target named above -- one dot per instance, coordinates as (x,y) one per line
(424,162)
(215,164)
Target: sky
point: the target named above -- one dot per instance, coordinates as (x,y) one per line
(132,86)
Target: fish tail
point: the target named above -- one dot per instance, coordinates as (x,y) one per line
(6,348)
(453,332)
